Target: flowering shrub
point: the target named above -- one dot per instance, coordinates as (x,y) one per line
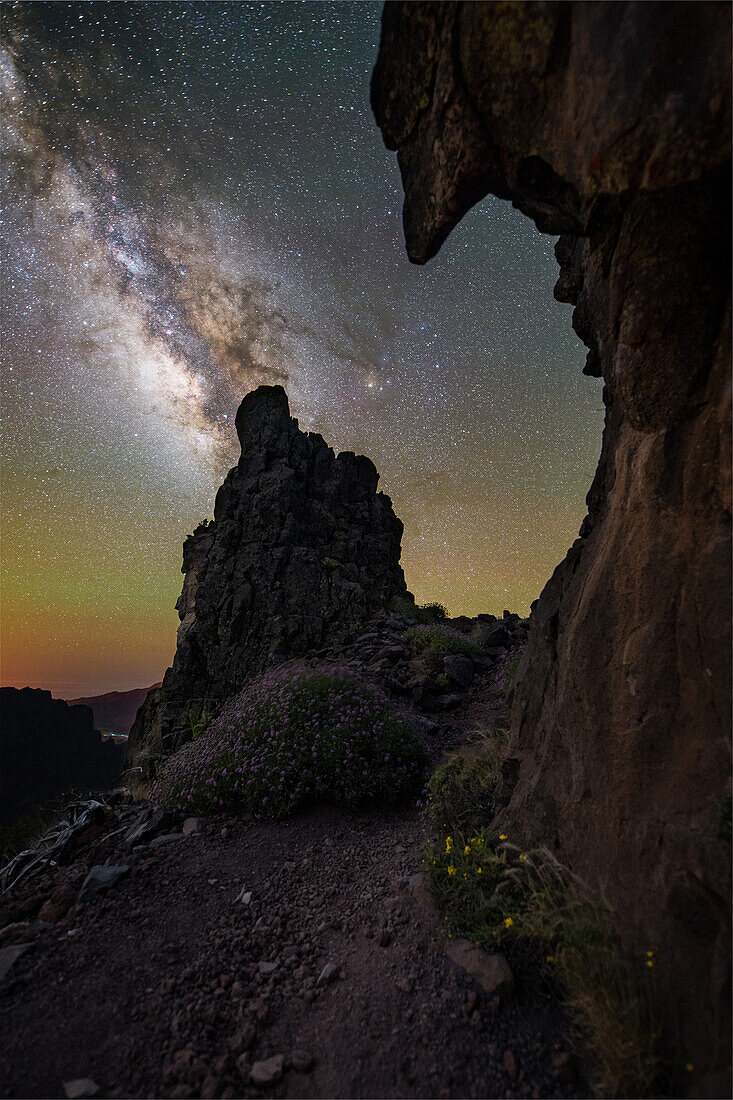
(507,666)
(295,735)
(439,641)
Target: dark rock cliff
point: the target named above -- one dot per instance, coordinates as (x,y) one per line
(48,748)
(302,550)
(608,124)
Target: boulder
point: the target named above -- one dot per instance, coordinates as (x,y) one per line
(609,125)
(267,1072)
(492,972)
(100,879)
(459,669)
(10,955)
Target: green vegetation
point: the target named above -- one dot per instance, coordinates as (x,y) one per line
(418,613)
(496,893)
(198,721)
(461,792)
(511,668)
(24,833)
(296,735)
(439,641)
(330,563)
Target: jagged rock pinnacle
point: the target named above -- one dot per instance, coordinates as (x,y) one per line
(302,550)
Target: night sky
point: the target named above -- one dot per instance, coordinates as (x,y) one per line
(197,200)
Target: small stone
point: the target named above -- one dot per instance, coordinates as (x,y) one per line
(9,955)
(510,1065)
(210,1088)
(191,826)
(268,967)
(101,878)
(301,1061)
(12,931)
(244,1039)
(244,1066)
(492,972)
(385,938)
(58,904)
(328,974)
(560,1062)
(166,838)
(470,1002)
(245,896)
(182,1091)
(80,1088)
(224,833)
(268,1072)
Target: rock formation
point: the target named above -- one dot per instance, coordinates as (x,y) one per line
(608,124)
(48,748)
(302,550)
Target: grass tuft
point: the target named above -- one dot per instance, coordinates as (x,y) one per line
(439,641)
(496,893)
(418,613)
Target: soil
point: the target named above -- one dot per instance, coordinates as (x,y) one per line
(171,984)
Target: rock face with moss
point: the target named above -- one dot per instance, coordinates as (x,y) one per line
(608,124)
(302,550)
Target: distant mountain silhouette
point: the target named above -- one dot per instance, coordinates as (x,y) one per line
(47,749)
(115,710)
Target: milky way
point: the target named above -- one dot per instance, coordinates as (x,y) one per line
(197,201)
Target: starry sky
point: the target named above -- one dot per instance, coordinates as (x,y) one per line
(196,200)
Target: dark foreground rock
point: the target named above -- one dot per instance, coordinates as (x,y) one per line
(609,124)
(48,748)
(298,959)
(302,551)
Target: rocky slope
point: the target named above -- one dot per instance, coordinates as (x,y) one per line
(47,748)
(609,125)
(302,550)
(222,957)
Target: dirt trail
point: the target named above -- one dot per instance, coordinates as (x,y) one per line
(171,985)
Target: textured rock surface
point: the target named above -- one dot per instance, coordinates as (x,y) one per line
(302,550)
(608,124)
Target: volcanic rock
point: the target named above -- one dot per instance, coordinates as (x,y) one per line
(459,669)
(609,124)
(302,551)
(48,747)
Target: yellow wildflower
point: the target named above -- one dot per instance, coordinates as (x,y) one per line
(508,922)
(451,869)
(502,836)
(522,856)
(689,1067)
(478,870)
(650,954)
(550,958)
(467,849)
(650,962)
(448,843)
